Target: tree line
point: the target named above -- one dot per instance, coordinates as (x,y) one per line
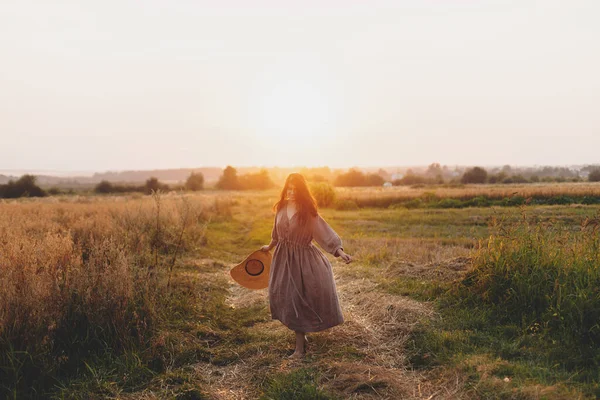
(26,185)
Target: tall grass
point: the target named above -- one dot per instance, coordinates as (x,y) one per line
(79,280)
(544,278)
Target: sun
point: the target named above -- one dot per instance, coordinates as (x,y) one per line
(295,112)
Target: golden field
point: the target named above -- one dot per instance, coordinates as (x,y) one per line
(129,297)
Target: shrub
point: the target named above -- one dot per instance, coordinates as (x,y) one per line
(474,175)
(374,180)
(324,193)
(355,178)
(594,175)
(256,181)
(25,186)
(411,179)
(104,187)
(154,185)
(229,179)
(352,178)
(195,181)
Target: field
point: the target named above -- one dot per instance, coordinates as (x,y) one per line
(129,297)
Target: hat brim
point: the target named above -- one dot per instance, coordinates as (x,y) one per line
(253,272)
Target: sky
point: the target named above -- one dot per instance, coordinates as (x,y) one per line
(129,84)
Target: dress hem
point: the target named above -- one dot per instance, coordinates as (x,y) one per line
(317,328)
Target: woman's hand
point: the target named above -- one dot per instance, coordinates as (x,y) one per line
(266,247)
(346,257)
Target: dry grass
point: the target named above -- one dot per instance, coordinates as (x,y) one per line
(106,259)
(471,191)
(83,277)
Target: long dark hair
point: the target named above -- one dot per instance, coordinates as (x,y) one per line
(307,205)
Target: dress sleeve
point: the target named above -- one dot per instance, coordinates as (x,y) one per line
(326,237)
(274,235)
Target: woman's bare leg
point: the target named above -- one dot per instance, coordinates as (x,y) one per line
(300,345)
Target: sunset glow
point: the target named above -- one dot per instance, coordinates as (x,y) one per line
(149,85)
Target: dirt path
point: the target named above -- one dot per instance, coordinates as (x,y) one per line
(363,358)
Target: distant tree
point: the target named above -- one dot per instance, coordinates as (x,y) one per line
(195,181)
(154,185)
(104,187)
(384,174)
(474,175)
(25,186)
(594,175)
(434,170)
(256,181)
(229,180)
(352,178)
(497,178)
(374,180)
(410,179)
(316,178)
(517,179)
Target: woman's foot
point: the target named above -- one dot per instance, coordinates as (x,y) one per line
(296,355)
(301,345)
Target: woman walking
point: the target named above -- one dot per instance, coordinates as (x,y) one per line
(302,292)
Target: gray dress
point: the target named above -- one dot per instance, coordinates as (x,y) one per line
(302,292)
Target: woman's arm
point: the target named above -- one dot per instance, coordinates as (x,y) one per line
(330,241)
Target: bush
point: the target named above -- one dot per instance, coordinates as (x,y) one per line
(229,179)
(154,185)
(355,178)
(474,175)
(25,186)
(324,193)
(256,181)
(195,181)
(411,179)
(594,175)
(374,180)
(104,187)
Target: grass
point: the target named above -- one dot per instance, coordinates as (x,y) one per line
(527,308)
(461,196)
(425,302)
(300,384)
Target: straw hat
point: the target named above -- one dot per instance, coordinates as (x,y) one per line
(253,272)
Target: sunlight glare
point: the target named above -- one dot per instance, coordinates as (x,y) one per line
(295,112)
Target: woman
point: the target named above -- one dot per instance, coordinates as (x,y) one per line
(302,293)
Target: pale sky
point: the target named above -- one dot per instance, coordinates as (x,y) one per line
(132,84)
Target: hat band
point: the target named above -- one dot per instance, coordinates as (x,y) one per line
(254,267)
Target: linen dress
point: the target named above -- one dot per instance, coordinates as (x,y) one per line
(302,291)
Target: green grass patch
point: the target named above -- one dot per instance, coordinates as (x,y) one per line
(301,384)
(531,301)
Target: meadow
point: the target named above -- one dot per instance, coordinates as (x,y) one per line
(129,297)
